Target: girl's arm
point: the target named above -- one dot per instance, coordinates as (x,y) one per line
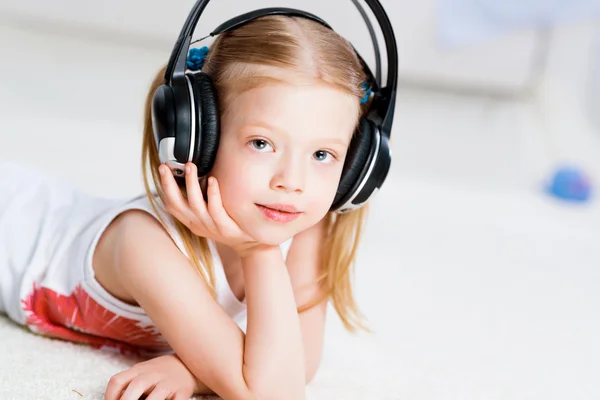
(266,364)
(303,267)
(170,375)
(274,353)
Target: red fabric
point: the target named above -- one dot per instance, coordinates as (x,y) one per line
(79,318)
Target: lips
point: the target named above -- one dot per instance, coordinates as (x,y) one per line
(279,212)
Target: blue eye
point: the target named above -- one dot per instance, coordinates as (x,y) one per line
(259,144)
(322,155)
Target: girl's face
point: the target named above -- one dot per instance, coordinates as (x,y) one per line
(280,157)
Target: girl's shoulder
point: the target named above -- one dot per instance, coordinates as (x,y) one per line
(140,214)
(133,230)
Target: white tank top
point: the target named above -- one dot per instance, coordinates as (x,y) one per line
(48,233)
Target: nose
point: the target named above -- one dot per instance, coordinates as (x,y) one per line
(289,175)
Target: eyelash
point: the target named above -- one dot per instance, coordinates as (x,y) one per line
(326,152)
(253,141)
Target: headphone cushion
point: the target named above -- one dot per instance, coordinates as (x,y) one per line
(163,113)
(207,111)
(356,159)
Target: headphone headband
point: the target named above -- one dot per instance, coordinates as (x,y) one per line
(383,107)
(247,17)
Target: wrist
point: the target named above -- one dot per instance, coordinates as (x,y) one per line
(260,254)
(257,251)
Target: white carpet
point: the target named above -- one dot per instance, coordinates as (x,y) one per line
(473,295)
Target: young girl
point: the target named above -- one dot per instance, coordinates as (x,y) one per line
(223,281)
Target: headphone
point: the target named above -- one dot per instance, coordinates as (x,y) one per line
(185,112)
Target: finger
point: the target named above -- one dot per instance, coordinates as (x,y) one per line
(195,197)
(117,383)
(174,200)
(216,209)
(160,392)
(138,386)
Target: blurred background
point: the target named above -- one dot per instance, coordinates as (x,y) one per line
(480,270)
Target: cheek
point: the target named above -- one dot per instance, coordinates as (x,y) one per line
(324,185)
(236,177)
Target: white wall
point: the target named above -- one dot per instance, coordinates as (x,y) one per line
(592,98)
(54,75)
(503,63)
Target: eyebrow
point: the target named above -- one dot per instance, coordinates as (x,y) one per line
(262,124)
(267,126)
(335,140)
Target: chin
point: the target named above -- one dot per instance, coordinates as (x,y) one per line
(272,233)
(273,236)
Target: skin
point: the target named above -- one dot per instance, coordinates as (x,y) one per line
(281,143)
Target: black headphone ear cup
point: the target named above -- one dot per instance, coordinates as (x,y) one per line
(163,113)
(208,122)
(356,161)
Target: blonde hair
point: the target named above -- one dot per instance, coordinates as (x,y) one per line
(240,60)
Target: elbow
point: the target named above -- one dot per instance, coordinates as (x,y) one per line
(311,371)
(268,387)
(277,391)
(310,374)
(279,386)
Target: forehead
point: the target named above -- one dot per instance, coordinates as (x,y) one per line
(299,110)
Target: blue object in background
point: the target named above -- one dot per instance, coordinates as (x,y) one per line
(570,183)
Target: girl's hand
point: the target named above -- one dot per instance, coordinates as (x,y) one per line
(206,220)
(160,378)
